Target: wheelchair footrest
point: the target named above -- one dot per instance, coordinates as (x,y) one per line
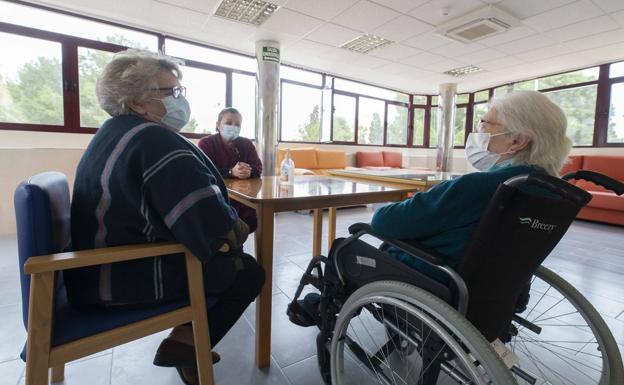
(305,312)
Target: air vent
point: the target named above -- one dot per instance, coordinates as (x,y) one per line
(246,11)
(366,43)
(463,71)
(477,25)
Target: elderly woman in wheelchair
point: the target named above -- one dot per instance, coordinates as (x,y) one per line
(455,293)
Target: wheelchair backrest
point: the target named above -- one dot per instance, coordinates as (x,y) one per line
(525,220)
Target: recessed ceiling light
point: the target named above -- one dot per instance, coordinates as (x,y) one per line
(366,43)
(462,71)
(246,11)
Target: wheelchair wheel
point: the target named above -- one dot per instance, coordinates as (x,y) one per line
(377,318)
(574,344)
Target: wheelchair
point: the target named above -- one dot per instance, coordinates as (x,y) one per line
(498,318)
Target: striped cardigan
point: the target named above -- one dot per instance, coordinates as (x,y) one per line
(139,182)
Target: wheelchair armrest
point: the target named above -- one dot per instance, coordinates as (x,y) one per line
(92,257)
(416,251)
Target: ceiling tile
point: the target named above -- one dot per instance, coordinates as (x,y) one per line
(583,28)
(497,64)
(422,59)
(294,23)
(619,17)
(394,52)
(525,44)
(527,8)
(545,52)
(172,18)
(220,26)
(598,40)
(607,53)
(204,6)
(456,49)
(483,55)
(368,61)
(568,14)
(610,5)
(426,41)
(402,6)
(402,28)
(430,12)
(365,16)
(322,9)
(442,66)
(394,68)
(332,34)
(299,52)
(284,39)
(507,36)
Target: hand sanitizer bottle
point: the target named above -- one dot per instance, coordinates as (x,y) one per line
(287,169)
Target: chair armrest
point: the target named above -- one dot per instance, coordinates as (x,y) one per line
(93,257)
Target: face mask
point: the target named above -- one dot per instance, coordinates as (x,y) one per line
(178,112)
(230,132)
(477,150)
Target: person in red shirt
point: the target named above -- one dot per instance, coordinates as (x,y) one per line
(234,156)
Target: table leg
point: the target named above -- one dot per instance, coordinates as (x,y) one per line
(331,227)
(264,255)
(317,232)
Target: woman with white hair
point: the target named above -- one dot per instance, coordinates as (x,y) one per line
(140,181)
(522,132)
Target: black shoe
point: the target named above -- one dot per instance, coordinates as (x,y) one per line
(172,353)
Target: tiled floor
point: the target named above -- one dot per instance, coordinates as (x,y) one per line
(591,257)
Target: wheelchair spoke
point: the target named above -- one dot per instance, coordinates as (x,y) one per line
(538,365)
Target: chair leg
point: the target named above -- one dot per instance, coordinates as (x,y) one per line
(39,328)
(58,374)
(201,333)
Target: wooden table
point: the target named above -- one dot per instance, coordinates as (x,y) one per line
(422,179)
(268,197)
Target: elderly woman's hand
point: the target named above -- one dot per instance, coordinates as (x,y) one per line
(236,237)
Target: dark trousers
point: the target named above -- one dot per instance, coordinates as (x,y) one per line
(234,300)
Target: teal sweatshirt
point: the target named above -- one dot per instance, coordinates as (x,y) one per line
(444,217)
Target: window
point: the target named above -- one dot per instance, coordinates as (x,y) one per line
(585,75)
(502,90)
(244,100)
(364,89)
(477,114)
(206,97)
(31,84)
(420,100)
(460,126)
(75,26)
(434,124)
(462,98)
(397,125)
(343,119)
(579,105)
(370,121)
(301,76)
(209,55)
(301,113)
(529,85)
(91,62)
(616,114)
(482,96)
(419,127)
(616,70)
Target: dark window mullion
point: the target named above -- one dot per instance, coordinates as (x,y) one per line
(603,100)
(71,96)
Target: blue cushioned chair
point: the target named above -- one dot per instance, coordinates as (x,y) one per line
(58,333)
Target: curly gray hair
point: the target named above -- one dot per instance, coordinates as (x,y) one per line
(131,76)
(534,115)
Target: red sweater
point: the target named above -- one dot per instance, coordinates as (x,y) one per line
(226,155)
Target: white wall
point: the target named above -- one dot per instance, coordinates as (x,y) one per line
(23,154)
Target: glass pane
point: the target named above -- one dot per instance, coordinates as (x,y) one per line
(370,121)
(462,98)
(434,100)
(209,55)
(31,84)
(205,91)
(420,99)
(419,126)
(364,89)
(616,70)
(326,116)
(433,127)
(301,75)
(482,96)
(460,126)
(397,125)
(244,100)
(573,77)
(478,112)
(579,105)
(91,62)
(343,121)
(616,114)
(301,113)
(529,85)
(75,26)
(502,90)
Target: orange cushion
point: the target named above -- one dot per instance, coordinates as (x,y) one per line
(369,159)
(608,201)
(573,163)
(612,166)
(392,159)
(331,159)
(303,157)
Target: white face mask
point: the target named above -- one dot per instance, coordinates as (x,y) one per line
(477,151)
(230,132)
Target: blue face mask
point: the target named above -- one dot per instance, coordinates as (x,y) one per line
(230,132)
(178,112)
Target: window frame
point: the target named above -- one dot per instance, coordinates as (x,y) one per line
(281,101)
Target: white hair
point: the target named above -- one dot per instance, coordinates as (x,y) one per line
(131,76)
(535,116)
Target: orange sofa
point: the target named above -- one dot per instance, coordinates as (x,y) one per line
(311,161)
(605,206)
(378,160)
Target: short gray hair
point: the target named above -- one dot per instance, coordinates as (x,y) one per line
(534,115)
(131,76)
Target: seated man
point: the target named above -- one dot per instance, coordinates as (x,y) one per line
(140,181)
(234,156)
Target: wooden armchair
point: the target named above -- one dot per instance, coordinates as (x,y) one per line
(58,333)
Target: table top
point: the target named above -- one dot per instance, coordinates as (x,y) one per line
(269,188)
(402,176)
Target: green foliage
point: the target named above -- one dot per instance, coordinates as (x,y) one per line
(579,106)
(341,130)
(397,129)
(311,130)
(372,133)
(419,126)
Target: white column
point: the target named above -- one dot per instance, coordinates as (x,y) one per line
(267,103)
(446,124)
